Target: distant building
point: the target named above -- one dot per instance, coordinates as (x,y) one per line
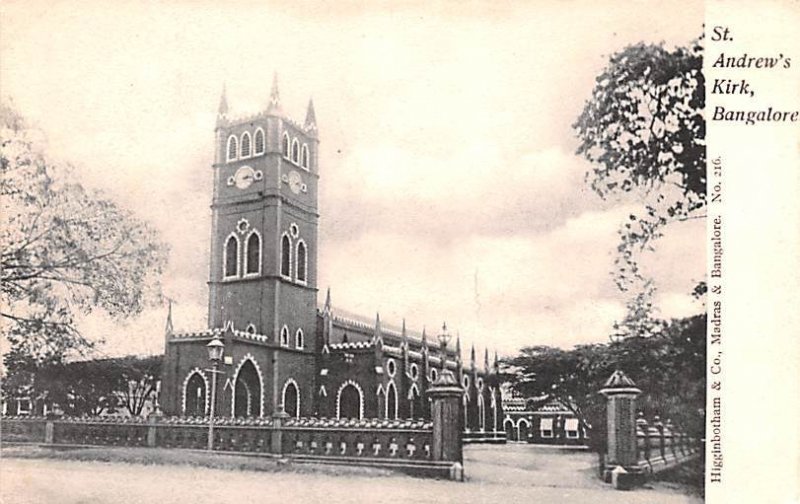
(541,420)
(283,351)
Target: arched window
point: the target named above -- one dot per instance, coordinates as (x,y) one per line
(232,148)
(391,402)
(291,399)
(195,394)
(252,265)
(258,148)
(481,413)
(245,147)
(296,151)
(301,261)
(286,256)
(285,145)
(285,336)
(304,157)
(231,266)
(298,339)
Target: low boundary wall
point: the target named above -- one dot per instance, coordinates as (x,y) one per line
(402,445)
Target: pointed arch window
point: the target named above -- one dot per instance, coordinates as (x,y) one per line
(245,145)
(285,336)
(302,262)
(304,157)
(233,148)
(258,141)
(252,264)
(296,151)
(391,402)
(230,267)
(285,145)
(298,339)
(286,259)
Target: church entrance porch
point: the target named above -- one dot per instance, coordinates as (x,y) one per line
(247,392)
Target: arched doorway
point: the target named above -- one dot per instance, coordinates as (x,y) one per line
(247,391)
(391,402)
(524,429)
(291,399)
(511,432)
(195,404)
(349,401)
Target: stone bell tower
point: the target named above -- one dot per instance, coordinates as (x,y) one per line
(263,269)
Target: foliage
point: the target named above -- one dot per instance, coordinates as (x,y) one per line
(668,367)
(66,251)
(640,318)
(643,129)
(80,388)
(91,387)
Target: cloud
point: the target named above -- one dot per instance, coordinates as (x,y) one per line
(447,148)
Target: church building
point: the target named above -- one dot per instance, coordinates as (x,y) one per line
(282,350)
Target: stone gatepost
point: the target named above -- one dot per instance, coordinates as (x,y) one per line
(622,466)
(276,436)
(446,395)
(152,420)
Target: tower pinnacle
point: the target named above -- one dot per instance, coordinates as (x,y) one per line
(274,96)
(327,307)
(311,117)
(223,102)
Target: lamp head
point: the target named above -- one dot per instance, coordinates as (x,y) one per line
(215,349)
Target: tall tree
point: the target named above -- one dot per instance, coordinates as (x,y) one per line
(669,368)
(66,251)
(136,379)
(643,130)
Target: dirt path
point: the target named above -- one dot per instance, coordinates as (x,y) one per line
(496,474)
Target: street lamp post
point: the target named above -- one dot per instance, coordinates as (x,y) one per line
(215,350)
(444,338)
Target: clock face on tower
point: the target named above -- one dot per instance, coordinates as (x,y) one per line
(295,182)
(244,177)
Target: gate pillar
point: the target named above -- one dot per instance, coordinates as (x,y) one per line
(621,393)
(446,414)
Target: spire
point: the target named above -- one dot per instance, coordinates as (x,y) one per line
(404,334)
(223,102)
(168,328)
(377,334)
(424,340)
(274,96)
(327,301)
(496,362)
(311,117)
(472,356)
(486,359)
(458,346)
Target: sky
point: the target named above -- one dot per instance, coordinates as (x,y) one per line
(449,187)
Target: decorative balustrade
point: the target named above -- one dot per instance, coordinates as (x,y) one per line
(389,443)
(376,439)
(638,448)
(660,446)
(422,448)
